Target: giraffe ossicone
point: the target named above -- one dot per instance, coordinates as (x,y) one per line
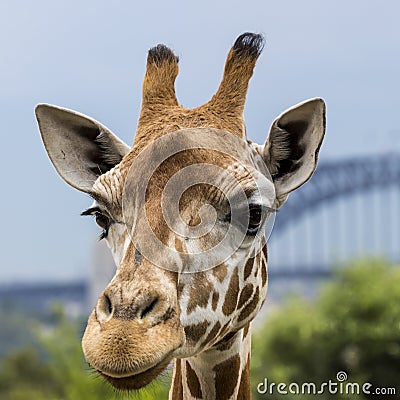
(186,211)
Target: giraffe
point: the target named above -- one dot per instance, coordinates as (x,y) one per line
(153,312)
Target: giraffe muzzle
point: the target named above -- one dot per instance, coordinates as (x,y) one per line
(130,339)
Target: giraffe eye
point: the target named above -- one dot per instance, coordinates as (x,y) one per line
(102,221)
(257,215)
(255,218)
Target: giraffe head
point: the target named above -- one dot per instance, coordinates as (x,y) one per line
(183,211)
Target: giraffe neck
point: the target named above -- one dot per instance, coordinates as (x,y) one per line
(221,372)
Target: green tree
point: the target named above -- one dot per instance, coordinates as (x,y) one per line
(353,326)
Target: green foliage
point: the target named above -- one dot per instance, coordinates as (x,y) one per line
(354,326)
(63,374)
(13,329)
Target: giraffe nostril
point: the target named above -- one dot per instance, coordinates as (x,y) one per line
(148,308)
(104,308)
(108,305)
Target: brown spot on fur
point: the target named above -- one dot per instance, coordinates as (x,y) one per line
(264,273)
(220,272)
(196,331)
(178,245)
(250,307)
(200,292)
(194,220)
(227,342)
(177,389)
(226,374)
(244,388)
(245,295)
(265,252)
(246,330)
(231,296)
(248,268)
(214,301)
(225,328)
(180,286)
(264,270)
(213,333)
(193,382)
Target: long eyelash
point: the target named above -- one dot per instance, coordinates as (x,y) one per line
(90,211)
(269,209)
(103,235)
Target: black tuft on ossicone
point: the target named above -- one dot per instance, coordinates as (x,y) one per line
(249,45)
(161,53)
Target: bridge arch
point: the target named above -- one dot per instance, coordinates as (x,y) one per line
(348,208)
(334,179)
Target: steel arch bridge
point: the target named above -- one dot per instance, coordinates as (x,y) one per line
(331,181)
(334,179)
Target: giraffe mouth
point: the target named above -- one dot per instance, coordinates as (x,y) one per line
(137,381)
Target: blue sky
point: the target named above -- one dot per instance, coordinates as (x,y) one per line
(90,56)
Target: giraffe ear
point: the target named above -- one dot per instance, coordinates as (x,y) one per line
(80,148)
(291,151)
